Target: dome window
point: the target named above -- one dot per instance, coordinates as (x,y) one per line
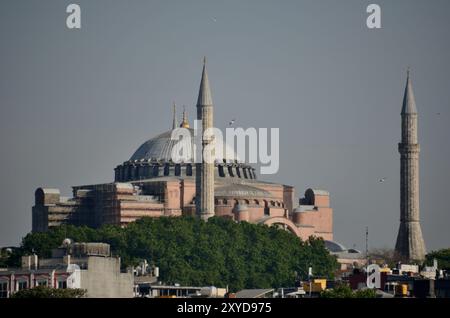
(230,171)
(189,170)
(166,169)
(155,171)
(221,172)
(177,169)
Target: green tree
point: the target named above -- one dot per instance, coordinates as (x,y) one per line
(442,256)
(48,292)
(344,291)
(190,251)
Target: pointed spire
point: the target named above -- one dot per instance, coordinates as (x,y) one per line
(184,122)
(409,102)
(204,94)
(174,121)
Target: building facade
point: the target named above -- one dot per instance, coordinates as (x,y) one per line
(87,266)
(151,184)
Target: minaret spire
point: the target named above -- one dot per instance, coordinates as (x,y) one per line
(174,120)
(204,181)
(410,244)
(409,102)
(204,94)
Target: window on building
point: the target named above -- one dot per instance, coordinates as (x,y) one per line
(23,284)
(244,170)
(155,171)
(230,171)
(189,170)
(166,169)
(3,289)
(177,169)
(238,172)
(221,172)
(41,282)
(62,284)
(137,171)
(266,208)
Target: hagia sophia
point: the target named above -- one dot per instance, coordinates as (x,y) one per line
(151,184)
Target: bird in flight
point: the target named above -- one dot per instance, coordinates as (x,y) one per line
(231,122)
(214,19)
(382,180)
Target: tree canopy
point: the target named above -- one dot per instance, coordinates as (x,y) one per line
(48,292)
(442,256)
(344,291)
(190,251)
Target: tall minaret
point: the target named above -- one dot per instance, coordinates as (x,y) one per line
(174,119)
(410,244)
(204,181)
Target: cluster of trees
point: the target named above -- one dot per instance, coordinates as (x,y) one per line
(48,292)
(391,257)
(442,256)
(190,251)
(344,291)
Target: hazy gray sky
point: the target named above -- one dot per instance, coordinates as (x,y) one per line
(74,104)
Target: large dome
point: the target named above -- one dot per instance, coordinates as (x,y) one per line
(153,159)
(162,146)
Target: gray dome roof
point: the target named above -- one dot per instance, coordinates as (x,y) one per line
(335,247)
(162,146)
(241,190)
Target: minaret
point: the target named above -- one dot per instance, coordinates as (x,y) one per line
(204,179)
(410,244)
(174,120)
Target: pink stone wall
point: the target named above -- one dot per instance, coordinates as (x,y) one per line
(322,200)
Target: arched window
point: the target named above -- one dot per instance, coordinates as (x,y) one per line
(155,170)
(244,170)
(189,170)
(266,208)
(221,172)
(137,172)
(177,169)
(230,171)
(238,172)
(166,169)
(130,173)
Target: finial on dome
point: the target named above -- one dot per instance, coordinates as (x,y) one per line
(184,122)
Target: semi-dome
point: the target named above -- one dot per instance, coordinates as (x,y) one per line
(334,247)
(162,146)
